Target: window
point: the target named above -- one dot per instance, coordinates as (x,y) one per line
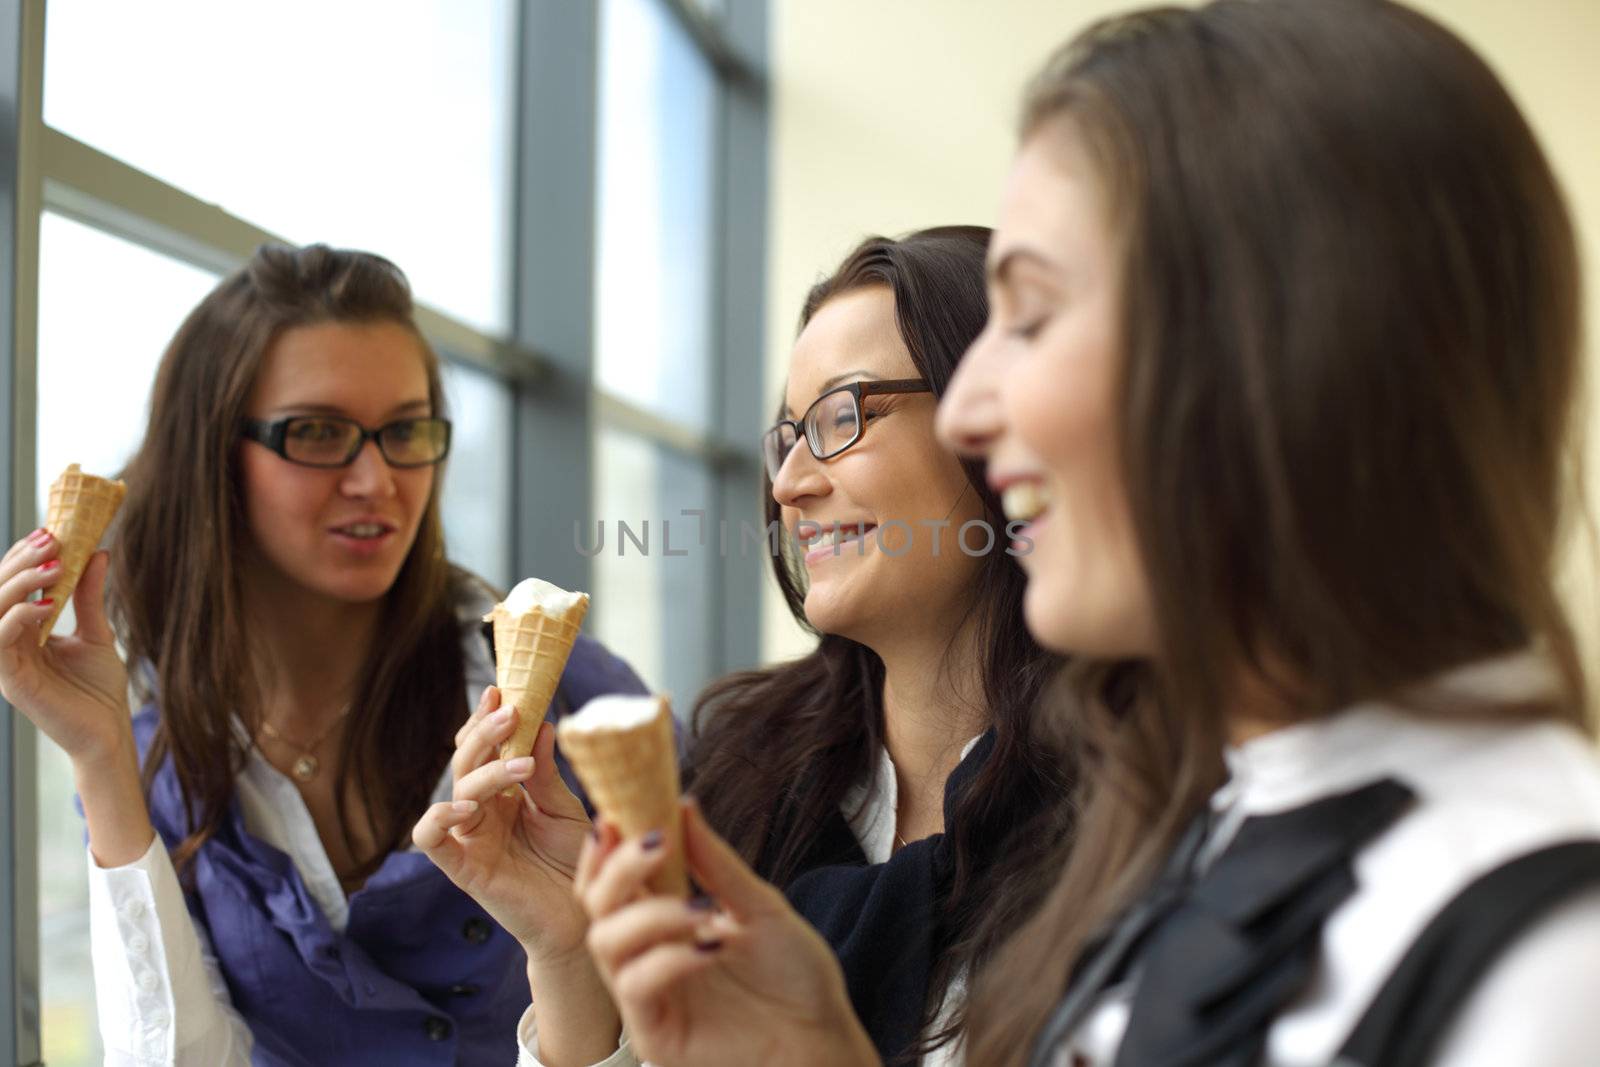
(107,309)
(653,326)
(383,125)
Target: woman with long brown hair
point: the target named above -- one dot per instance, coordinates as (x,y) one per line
(1280,374)
(896,780)
(304,654)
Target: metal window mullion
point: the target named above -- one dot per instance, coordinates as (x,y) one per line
(21,83)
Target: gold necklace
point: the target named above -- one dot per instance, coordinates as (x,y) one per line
(307,765)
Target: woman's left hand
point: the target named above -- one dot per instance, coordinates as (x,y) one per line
(751,983)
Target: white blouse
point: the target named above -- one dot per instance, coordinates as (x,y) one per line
(869,807)
(1487,793)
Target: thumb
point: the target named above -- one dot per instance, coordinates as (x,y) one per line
(88,601)
(546,788)
(720,871)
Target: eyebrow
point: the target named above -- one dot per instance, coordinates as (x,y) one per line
(1001,268)
(333,409)
(839,379)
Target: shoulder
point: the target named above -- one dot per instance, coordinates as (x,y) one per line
(1554,965)
(1486,795)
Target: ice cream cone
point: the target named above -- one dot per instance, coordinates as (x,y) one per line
(630,772)
(531,650)
(81,507)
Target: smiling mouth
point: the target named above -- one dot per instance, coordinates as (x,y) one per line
(829,539)
(1024,501)
(364,531)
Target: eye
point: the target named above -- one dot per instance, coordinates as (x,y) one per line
(316,431)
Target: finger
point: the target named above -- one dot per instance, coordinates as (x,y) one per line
(720,871)
(89,601)
(482,741)
(493,778)
(22,622)
(28,580)
(486,703)
(652,975)
(597,848)
(547,788)
(639,927)
(28,552)
(433,836)
(622,878)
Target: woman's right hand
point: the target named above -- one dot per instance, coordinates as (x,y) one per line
(74,689)
(752,982)
(513,851)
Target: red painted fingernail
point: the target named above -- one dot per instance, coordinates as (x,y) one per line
(52,565)
(44,602)
(39,537)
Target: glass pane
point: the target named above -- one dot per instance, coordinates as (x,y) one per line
(384,125)
(651,608)
(477,485)
(653,333)
(107,309)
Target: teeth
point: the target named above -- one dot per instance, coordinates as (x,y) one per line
(1023,501)
(364,529)
(843,534)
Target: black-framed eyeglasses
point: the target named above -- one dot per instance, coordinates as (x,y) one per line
(335,441)
(832,423)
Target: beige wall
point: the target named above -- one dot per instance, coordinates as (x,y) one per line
(889,115)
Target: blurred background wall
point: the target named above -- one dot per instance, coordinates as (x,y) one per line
(897,114)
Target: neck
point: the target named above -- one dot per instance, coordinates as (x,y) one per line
(932,706)
(307,652)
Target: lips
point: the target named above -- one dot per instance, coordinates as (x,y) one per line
(829,540)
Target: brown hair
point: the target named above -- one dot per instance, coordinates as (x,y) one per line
(770,799)
(175,583)
(1350,324)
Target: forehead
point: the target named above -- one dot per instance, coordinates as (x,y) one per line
(853,332)
(353,366)
(1052,200)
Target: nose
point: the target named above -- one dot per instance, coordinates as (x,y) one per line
(801,476)
(970,417)
(369,475)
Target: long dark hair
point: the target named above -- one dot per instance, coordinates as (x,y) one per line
(827,707)
(180,539)
(1349,329)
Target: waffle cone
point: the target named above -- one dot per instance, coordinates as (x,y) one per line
(631,776)
(81,507)
(530,652)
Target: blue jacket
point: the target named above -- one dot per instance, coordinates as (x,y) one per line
(420,976)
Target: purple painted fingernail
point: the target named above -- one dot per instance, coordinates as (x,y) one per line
(651,840)
(707,946)
(702,903)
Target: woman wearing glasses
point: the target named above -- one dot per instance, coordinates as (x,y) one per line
(305,654)
(894,781)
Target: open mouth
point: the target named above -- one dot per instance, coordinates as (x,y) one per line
(830,540)
(1024,501)
(367,532)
